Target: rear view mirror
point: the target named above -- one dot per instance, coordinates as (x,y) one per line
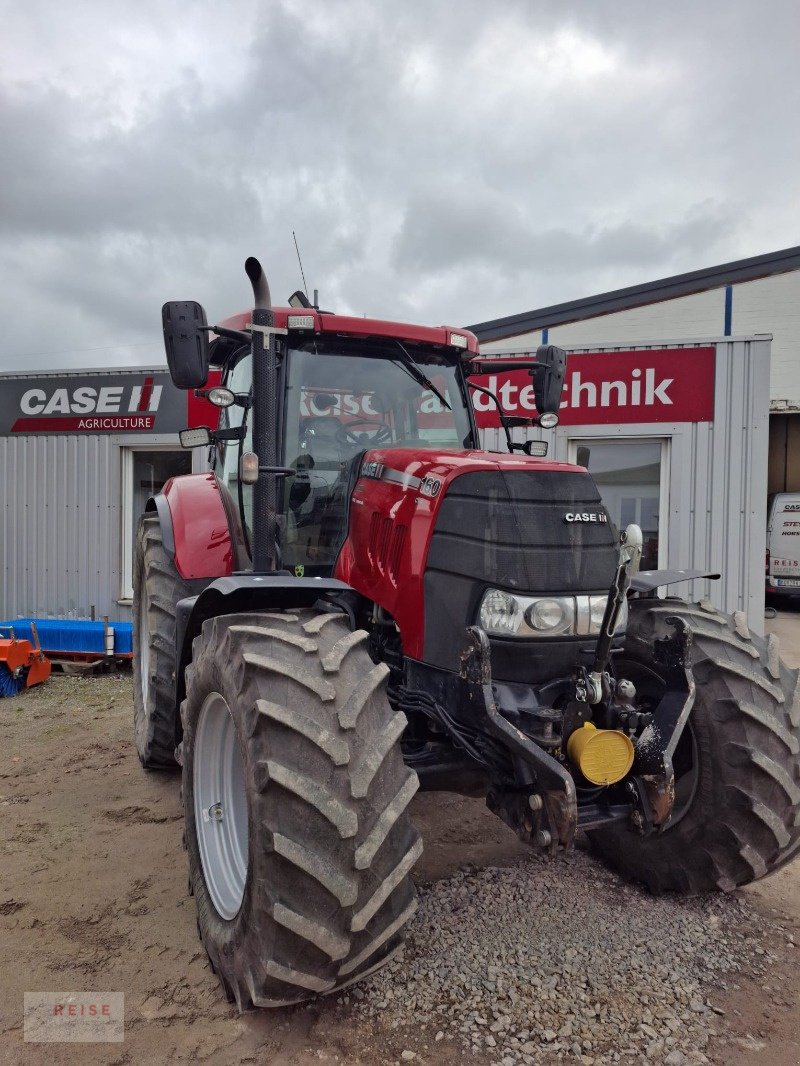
(186,343)
(548,382)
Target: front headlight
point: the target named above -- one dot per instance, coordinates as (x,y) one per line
(500,613)
(506,614)
(552,616)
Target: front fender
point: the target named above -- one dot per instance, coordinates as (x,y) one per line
(253,592)
(202,534)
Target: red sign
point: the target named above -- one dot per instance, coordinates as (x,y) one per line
(602,388)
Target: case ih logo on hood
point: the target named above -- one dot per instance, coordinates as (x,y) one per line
(590,516)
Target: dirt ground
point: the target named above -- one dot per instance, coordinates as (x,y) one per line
(93,897)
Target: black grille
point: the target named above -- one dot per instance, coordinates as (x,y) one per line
(508,529)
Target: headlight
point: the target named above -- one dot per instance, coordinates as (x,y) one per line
(552,616)
(597,608)
(500,613)
(506,614)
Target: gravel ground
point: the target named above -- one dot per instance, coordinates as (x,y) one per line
(560,960)
(511,958)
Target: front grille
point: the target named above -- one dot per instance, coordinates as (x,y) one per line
(507,529)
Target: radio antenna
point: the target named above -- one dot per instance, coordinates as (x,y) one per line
(300,261)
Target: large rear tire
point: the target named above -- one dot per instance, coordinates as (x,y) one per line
(157,587)
(737,811)
(296,806)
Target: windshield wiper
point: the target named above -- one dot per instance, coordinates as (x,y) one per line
(412,368)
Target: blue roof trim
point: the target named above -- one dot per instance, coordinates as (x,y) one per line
(757,266)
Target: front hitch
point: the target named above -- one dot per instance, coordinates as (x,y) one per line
(546,812)
(652,783)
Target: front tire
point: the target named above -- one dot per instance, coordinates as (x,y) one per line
(295,800)
(737,811)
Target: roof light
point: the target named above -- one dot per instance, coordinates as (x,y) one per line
(300,322)
(458,340)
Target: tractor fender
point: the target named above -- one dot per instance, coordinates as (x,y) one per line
(200,526)
(237,593)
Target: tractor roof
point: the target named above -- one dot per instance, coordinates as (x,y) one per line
(307,320)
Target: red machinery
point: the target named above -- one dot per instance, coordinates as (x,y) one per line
(359,601)
(22,664)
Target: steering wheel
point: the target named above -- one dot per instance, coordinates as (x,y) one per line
(382,436)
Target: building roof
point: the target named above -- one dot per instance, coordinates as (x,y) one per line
(606,303)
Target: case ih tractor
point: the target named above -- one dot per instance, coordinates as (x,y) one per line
(358,602)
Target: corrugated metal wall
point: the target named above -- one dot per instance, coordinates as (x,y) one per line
(60,531)
(717,473)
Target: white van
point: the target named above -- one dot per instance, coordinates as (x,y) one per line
(783,543)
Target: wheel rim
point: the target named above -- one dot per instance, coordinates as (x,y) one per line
(220,806)
(144,644)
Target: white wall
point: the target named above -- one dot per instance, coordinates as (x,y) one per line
(767,306)
(772,305)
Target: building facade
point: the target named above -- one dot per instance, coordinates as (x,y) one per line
(80,452)
(759,295)
(675,434)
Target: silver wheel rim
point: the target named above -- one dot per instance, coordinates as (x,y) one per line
(220,806)
(144,644)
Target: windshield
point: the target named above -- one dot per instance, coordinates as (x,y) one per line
(338,402)
(342,400)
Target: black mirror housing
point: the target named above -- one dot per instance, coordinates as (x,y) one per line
(548,378)
(186,343)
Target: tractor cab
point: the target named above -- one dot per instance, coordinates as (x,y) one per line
(338,397)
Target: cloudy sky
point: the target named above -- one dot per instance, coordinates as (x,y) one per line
(452,162)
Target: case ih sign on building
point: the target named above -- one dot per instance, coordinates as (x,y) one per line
(657,385)
(145,402)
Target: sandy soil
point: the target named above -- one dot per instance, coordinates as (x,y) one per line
(93,896)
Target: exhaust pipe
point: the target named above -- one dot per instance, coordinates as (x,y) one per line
(265,421)
(258,279)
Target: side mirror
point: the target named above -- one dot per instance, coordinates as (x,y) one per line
(548,378)
(186,343)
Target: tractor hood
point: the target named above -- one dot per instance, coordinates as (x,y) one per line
(429,532)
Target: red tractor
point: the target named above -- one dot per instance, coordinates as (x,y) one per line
(358,602)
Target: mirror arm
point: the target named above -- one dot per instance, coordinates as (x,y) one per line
(240,399)
(236,433)
(229,334)
(500,412)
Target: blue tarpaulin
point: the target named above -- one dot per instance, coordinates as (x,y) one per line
(73,635)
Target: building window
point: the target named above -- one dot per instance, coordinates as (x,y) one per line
(632,478)
(145,471)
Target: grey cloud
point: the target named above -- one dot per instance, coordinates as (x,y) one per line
(436,163)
